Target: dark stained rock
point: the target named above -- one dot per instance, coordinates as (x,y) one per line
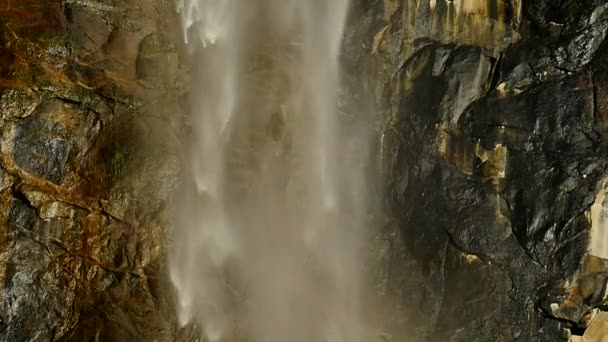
(491,117)
(22,216)
(493,153)
(47,158)
(46,139)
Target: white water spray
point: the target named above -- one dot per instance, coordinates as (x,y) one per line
(269,220)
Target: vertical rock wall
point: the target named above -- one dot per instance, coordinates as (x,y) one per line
(493,150)
(82,85)
(491,140)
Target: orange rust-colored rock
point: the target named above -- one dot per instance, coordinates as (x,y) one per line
(82,243)
(33,17)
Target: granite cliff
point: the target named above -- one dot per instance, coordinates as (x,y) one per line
(491,142)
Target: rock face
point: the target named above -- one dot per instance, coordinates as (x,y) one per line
(494,152)
(81,216)
(492,121)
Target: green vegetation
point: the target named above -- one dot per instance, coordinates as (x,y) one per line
(117,162)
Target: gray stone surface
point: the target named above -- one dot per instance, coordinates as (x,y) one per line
(493,151)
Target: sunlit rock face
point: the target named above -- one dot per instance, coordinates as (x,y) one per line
(494,152)
(80,209)
(597,215)
(492,24)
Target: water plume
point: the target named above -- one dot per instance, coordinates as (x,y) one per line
(267,233)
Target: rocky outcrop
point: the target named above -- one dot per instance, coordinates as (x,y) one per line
(82,83)
(494,152)
(492,118)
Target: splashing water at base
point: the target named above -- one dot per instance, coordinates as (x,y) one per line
(269,220)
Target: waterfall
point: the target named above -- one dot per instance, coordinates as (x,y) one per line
(268,222)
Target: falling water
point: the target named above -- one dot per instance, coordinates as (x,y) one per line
(269,219)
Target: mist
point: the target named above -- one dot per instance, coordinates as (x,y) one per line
(272,211)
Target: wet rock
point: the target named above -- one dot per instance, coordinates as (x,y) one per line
(122,49)
(29,18)
(88,30)
(22,216)
(77,262)
(492,25)
(39,291)
(5,180)
(493,149)
(45,141)
(48,159)
(467,74)
(492,123)
(153,63)
(17,103)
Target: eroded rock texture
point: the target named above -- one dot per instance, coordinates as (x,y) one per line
(82,83)
(492,123)
(494,151)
